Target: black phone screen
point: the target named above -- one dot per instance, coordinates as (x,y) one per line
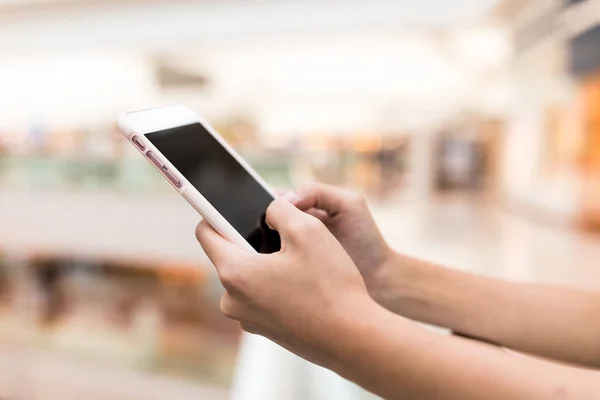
(217,175)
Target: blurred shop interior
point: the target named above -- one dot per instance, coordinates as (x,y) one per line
(485,103)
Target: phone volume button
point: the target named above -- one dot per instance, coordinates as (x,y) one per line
(163,168)
(176,182)
(136,140)
(154,160)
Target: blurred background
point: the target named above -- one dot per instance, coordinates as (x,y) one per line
(472,126)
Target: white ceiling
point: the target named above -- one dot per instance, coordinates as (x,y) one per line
(340,82)
(460,8)
(296,64)
(162,24)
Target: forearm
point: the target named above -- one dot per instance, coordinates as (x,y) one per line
(396,359)
(557,323)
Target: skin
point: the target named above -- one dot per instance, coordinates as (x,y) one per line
(337,295)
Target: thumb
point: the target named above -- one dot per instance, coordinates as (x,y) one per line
(218,249)
(330,199)
(288,220)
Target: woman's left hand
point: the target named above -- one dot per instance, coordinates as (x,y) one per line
(301,297)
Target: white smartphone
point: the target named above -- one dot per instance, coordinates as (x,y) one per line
(207,172)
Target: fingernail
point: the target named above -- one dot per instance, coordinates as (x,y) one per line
(289,197)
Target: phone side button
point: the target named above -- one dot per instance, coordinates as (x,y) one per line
(176,182)
(154,160)
(136,140)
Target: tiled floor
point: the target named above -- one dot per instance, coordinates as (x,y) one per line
(41,376)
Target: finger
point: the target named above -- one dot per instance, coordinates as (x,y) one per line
(280,192)
(288,220)
(217,248)
(288,195)
(330,199)
(321,215)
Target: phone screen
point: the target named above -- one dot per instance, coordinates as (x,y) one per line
(217,175)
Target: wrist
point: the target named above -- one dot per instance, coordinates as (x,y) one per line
(402,283)
(366,337)
(385,283)
(346,322)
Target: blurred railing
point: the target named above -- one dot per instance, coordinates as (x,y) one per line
(127,174)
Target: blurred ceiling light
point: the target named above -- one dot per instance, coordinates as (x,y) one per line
(482,47)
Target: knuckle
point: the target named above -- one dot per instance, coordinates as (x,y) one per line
(228,307)
(309,226)
(294,227)
(277,204)
(356,199)
(312,223)
(248,328)
(199,228)
(228,277)
(233,279)
(273,209)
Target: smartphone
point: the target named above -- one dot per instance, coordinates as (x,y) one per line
(207,172)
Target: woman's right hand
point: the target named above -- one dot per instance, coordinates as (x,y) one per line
(347,216)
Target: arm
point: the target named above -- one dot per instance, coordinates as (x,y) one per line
(553,322)
(557,323)
(311,299)
(398,360)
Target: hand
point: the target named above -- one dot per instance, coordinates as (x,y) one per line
(300,297)
(347,216)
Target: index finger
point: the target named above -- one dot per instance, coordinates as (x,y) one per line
(322,197)
(217,248)
(289,221)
